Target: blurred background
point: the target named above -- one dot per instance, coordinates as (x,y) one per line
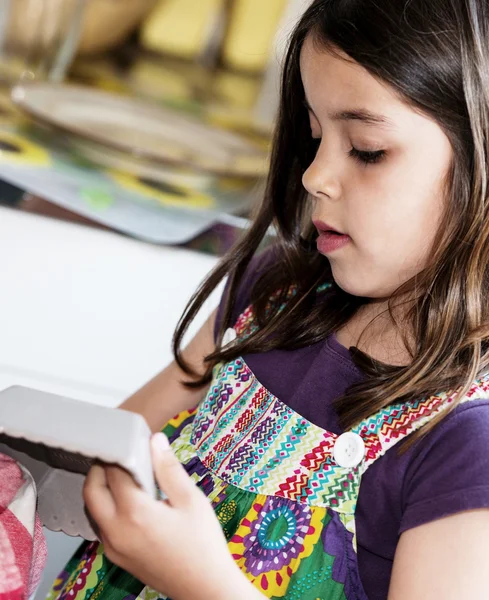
(134,142)
(149,117)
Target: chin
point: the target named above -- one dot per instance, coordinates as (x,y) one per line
(362,287)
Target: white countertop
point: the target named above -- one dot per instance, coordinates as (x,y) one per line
(85,312)
(88,314)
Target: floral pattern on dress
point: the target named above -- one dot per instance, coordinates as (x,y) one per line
(272,540)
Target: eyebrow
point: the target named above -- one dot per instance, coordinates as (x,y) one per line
(359,114)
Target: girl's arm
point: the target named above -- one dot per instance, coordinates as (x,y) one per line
(176,546)
(164,396)
(445,559)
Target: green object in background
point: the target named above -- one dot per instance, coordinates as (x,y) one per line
(97,198)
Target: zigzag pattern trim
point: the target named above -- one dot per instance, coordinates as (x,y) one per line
(248,438)
(391,425)
(255,442)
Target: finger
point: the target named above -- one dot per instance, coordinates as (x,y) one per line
(97,496)
(172,478)
(122,486)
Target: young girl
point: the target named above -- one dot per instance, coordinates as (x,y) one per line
(339,445)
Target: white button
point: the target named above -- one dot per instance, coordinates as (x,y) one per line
(229,336)
(349,450)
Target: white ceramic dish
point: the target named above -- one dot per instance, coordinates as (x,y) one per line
(141,129)
(58,438)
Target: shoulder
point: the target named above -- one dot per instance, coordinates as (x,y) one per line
(467,422)
(441,551)
(448,469)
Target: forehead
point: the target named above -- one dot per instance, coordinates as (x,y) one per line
(334,80)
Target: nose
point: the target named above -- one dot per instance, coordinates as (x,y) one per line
(320,178)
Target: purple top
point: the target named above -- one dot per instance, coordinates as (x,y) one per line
(445,472)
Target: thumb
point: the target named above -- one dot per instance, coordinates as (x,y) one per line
(170,475)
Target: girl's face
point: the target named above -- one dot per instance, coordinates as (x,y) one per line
(377,176)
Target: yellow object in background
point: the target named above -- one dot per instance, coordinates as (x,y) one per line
(251,31)
(182,27)
(236,96)
(106,23)
(236,89)
(167,193)
(16,149)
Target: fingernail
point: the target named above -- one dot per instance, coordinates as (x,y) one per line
(161,442)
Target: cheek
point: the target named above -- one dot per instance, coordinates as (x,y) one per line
(393,212)
(392,236)
(396,207)
(399,234)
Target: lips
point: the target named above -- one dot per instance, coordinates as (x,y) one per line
(329,239)
(323,227)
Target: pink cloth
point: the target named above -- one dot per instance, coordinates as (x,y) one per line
(23,549)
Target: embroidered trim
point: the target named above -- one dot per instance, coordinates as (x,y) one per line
(250,439)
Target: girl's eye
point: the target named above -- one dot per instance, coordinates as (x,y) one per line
(367,157)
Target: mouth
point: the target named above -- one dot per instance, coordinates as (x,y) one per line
(329,239)
(323,227)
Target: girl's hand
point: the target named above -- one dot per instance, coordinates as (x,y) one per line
(176,546)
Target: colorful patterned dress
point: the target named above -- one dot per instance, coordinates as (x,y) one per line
(283,489)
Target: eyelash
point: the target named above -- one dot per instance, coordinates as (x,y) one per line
(364,157)
(367,157)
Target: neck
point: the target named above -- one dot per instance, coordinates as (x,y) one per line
(373,330)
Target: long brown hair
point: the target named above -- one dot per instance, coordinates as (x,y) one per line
(435,54)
